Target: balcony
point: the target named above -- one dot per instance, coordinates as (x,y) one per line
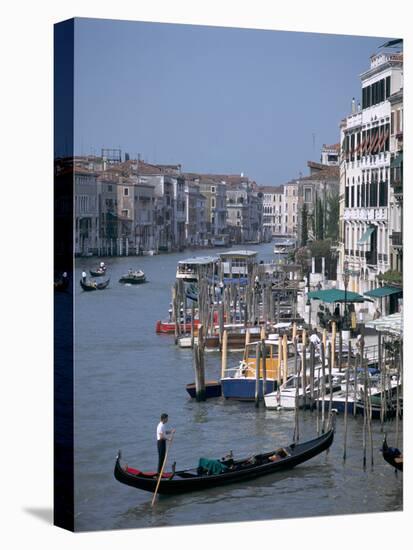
(397,239)
(365,214)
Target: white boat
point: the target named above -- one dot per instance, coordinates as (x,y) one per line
(192,270)
(185,341)
(285,396)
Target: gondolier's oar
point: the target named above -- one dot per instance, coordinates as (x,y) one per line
(162,469)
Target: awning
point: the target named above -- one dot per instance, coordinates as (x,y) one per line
(382,291)
(366,235)
(335,295)
(392,324)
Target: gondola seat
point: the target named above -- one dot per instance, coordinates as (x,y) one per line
(135,472)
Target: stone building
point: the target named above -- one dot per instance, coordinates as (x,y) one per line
(396,182)
(214,190)
(195,214)
(86,212)
(365,175)
(322,182)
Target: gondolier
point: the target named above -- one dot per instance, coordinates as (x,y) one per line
(162,437)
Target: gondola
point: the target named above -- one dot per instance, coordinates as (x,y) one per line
(99,272)
(392,455)
(183,481)
(133,277)
(92,285)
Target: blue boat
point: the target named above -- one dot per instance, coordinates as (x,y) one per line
(240,382)
(243,389)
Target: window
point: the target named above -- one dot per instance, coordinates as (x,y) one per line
(383,193)
(126,192)
(109,188)
(307,194)
(397,121)
(387,86)
(212,202)
(212,189)
(125,213)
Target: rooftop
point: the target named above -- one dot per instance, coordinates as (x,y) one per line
(199,260)
(238,254)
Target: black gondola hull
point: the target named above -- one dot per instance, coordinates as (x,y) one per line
(390,455)
(97,273)
(99,286)
(177,485)
(133,280)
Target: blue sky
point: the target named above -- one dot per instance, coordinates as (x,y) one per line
(219,100)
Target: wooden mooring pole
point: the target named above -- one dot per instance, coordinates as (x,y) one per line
(399,386)
(297,385)
(312,367)
(346,402)
(224,354)
(199,367)
(323,386)
(257,374)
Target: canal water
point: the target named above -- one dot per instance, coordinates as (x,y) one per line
(126,376)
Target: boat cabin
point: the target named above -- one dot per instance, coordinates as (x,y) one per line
(193,269)
(240,382)
(237,264)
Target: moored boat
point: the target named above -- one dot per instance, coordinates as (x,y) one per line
(392,455)
(236,334)
(186,341)
(286,396)
(212,389)
(224,471)
(241,383)
(168,327)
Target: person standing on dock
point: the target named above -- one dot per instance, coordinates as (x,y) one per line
(162,437)
(315,339)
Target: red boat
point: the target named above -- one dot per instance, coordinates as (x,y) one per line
(168,327)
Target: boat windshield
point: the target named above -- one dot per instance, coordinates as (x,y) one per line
(292,383)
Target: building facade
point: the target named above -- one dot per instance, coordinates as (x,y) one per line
(87,232)
(396,182)
(365,175)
